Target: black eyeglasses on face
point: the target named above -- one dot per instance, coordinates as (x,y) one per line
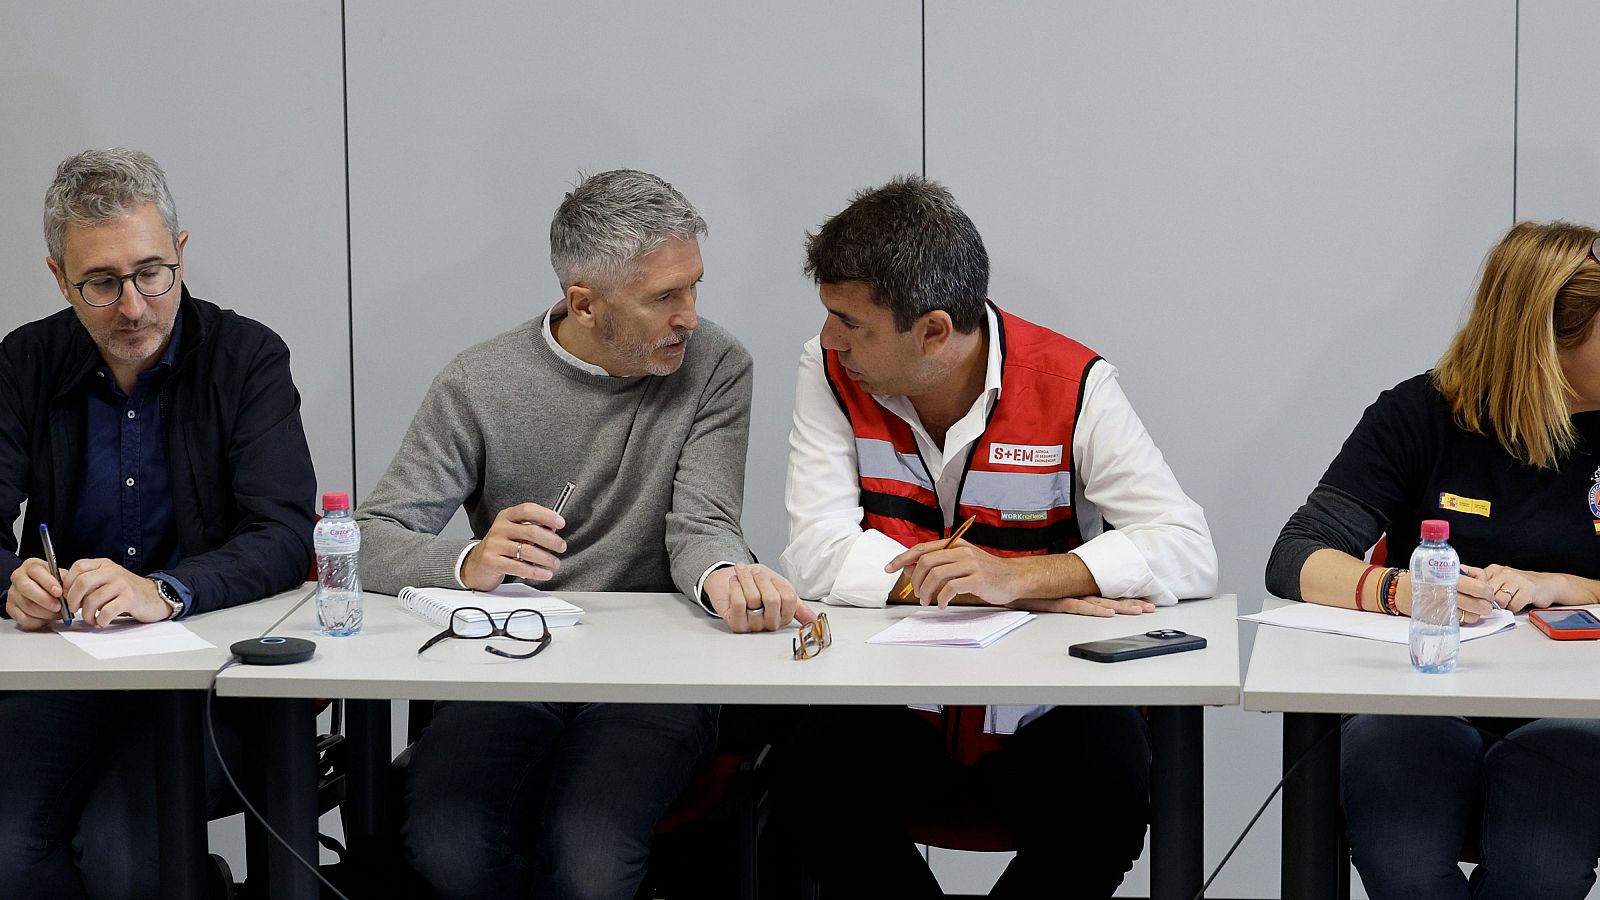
(105,288)
(472,623)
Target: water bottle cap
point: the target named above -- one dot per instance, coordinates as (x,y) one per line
(333,500)
(1435,530)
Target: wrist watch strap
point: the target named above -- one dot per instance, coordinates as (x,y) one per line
(174,605)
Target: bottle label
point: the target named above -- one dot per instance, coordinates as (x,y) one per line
(337,537)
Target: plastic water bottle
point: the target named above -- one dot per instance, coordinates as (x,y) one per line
(1435,628)
(338,544)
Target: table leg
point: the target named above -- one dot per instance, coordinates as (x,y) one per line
(290,744)
(1316,861)
(181,794)
(1177,801)
(368,820)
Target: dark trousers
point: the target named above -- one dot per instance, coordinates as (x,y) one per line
(77,805)
(1073,785)
(552,800)
(1415,787)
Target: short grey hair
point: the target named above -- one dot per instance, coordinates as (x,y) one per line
(611,219)
(98,185)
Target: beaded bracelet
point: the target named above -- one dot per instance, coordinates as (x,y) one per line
(1361,586)
(1391,601)
(1385,593)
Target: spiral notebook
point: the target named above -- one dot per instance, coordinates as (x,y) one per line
(435,605)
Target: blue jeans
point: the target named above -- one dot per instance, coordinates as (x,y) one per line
(1415,787)
(547,799)
(77,804)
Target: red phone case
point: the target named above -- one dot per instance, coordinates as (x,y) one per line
(1562,634)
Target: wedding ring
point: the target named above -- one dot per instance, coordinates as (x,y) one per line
(518,556)
(754,608)
(1504,591)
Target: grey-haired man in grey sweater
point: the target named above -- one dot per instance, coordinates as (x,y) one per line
(623,390)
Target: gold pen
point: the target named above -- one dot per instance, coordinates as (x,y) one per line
(905,592)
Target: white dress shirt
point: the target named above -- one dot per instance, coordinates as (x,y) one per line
(1160,550)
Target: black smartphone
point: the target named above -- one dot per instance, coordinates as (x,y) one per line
(1152,643)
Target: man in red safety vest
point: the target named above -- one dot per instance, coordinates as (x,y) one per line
(922,406)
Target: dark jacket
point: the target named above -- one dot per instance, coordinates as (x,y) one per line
(242,483)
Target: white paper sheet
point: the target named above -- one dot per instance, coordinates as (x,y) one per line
(1372,626)
(953,627)
(118,641)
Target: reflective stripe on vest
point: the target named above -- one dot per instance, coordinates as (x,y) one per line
(1017,491)
(879,459)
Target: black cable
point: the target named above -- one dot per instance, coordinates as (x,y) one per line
(211,732)
(1288,773)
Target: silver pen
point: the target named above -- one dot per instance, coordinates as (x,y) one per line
(561,501)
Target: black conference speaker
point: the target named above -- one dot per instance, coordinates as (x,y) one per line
(273,651)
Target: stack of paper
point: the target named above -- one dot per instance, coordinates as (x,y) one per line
(120,640)
(1394,629)
(953,627)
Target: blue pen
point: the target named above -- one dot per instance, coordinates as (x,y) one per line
(55,570)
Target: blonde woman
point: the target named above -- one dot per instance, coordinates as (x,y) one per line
(1502,440)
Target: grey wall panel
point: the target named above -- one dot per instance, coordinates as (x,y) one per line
(1263,214)
(469,123)
(241,106)
(1558,121)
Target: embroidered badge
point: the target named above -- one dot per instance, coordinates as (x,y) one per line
(1466,504)
(1594,499)
(1025,454)
(1033,515)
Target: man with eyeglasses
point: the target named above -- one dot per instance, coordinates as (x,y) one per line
(158,437)
(623,390)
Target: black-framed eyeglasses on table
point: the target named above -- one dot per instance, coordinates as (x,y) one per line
(471,623)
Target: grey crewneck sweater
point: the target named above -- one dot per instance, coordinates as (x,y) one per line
(658,461)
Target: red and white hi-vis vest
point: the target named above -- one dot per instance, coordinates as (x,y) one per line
(1018,480)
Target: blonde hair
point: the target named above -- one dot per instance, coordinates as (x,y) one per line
(1502,373)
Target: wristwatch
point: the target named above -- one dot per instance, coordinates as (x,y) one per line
(174,605)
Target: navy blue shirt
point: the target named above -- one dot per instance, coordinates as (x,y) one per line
(124,512)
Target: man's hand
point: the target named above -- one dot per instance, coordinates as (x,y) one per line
(752,597)
(1103,607)
(522,542)
(939,575)
(99,590)
(33,601)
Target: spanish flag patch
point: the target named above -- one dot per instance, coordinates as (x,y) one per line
(1468,505)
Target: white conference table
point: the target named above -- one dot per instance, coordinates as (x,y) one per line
(177,683)
(658,648)
(1315,678)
